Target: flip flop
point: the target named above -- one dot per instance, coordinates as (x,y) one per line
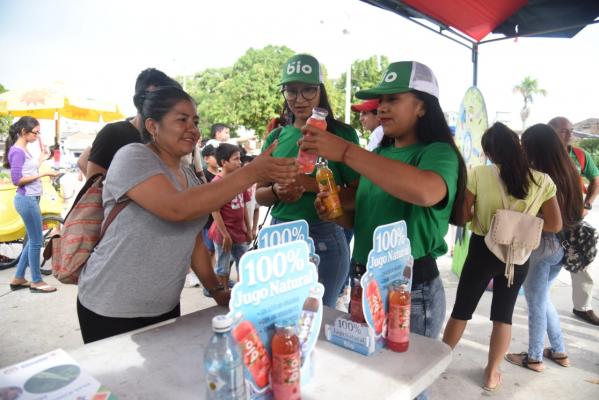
(493,388)
(522,360)
(19,286)
(42,289)
(560,360)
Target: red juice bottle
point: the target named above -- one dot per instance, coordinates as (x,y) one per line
(286,362)
(255,357)
(375,302)
(307,161)
(356,312)
(398,331)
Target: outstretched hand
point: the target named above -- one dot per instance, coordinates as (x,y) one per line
(273,169)
(324,143)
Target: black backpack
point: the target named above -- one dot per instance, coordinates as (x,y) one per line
(580,246)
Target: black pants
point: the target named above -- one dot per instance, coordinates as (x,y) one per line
(96,327)
(480,267)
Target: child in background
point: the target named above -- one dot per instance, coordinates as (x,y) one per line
(231,229)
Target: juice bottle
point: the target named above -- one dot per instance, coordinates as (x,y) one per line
(356,312)
(375,302)
(309,312)
(286,362)
(222,363)
(255,357)
(326,182)
(398,331)
(307,161)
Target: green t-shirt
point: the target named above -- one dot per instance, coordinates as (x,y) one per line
(426,226)
(590,169)
(482,183)
(287,147)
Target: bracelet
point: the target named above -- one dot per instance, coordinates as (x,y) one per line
(272,188)
(344,153)
(217,288)
(588,206)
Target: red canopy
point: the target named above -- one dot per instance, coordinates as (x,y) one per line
(476,18)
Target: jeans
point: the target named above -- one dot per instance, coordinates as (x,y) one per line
(331,246)
(544,266)
(223,258)
(29,209)
(428,308)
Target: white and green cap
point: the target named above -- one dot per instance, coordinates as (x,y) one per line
(403,76)
(301,68)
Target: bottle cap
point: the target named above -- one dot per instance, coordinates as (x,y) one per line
(287,326)
(319,113)
(222,323)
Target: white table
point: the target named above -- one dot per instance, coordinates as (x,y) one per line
(164,361)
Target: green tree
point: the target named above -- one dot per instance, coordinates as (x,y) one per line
(364,74)
(5,121)
(528,88)
(246,94)
(592,146)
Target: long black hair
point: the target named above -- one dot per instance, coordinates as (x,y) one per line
(27,123)
(157,103)
(546,153)
(432,127)
(502,146)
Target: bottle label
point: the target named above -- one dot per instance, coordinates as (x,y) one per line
(286,376)
(255,358)
(375,303)
(399,323)
(305,324)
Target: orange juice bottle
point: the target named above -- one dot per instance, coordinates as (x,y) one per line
(326,182)
(398,331)
(286,363)
(307,161)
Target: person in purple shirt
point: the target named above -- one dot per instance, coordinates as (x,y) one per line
(25,175)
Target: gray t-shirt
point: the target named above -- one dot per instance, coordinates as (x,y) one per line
(139,267)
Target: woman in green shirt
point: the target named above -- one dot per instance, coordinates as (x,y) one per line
(416,174)
(302,88)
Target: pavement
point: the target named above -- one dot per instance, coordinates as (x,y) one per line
(32,324)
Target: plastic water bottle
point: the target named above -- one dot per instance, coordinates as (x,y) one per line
(222,363)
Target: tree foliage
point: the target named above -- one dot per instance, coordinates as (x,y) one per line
(5,120)
(364,74)
(592,146)
(528,88)
(246,94)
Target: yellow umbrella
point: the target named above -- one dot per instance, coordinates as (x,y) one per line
(54,102)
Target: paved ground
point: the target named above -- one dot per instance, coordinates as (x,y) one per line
(32,324)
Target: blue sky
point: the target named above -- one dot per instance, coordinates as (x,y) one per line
(99,47)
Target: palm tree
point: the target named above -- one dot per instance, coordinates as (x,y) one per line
(528,88)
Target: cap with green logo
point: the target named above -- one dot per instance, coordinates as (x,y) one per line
(302,68)
(402,77)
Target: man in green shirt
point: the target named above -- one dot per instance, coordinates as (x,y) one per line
(582,282)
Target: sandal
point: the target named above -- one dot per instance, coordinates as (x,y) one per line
(19,286)
(42,289)
(558,359)
(495,387)
(522,360)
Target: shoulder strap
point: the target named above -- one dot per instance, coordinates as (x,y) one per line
(118,207)
(582,159)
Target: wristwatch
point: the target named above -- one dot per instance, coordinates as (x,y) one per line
(217,288)
(588,206)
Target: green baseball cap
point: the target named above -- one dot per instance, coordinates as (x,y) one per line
(302,68)
(401,77)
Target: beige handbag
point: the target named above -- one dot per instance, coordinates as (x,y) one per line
(513,235)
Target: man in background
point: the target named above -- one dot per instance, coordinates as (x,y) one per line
(582,281)
(370,121)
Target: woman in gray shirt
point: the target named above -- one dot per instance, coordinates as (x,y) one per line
(135,275)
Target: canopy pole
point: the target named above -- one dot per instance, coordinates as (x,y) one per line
(474,64)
